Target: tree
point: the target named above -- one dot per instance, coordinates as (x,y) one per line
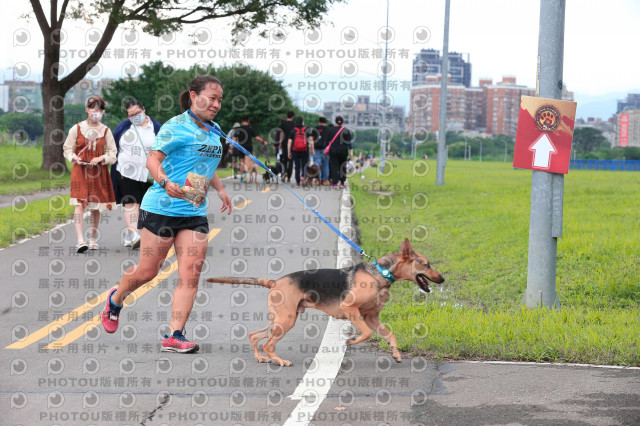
(588,140)
(156,17)
(247,91)
(16,122)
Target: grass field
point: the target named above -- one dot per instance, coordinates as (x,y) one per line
(33,218)
(20,171)
(474,230)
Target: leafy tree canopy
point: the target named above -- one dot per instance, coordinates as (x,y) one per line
(15,122)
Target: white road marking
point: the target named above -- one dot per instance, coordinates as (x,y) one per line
(320,375)
(550,364)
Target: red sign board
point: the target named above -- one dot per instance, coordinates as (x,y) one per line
(544,135)
(623,137)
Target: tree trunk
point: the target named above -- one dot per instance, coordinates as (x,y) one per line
(54,131)
(54,88)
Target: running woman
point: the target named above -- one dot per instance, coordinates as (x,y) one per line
(182,160)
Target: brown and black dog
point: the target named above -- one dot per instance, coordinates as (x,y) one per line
(356,293)
(312,174)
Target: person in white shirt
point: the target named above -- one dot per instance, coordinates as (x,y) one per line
(131,179)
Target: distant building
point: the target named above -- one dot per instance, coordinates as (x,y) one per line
(503,105)
(365,114)
(429,62)
(23,96)
(425,105)
(628,128)
(85,88)
(4,98)
(607,127)
(632,102)
(489,108)
(26,96)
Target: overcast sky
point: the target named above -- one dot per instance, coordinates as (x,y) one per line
(501,37)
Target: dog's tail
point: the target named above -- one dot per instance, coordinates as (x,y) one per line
(243,280)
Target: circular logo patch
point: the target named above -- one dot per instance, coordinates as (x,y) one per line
(547,118)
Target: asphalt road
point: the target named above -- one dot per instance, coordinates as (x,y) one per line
(60,367)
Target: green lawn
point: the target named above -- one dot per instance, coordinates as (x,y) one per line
(33,218)
(474,230)
(20,171)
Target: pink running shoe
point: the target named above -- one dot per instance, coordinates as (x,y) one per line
(176,342)
(110,314)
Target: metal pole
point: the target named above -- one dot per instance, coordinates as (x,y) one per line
(383,142)
(465,148)
(442,127)
(480,149)
(545,223)
(505,151)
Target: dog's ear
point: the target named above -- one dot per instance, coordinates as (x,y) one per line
(406,248)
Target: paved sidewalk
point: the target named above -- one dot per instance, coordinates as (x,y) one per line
(20,199)
(73,373)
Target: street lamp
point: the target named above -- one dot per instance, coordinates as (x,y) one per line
(465,147)
(383,148)
(505,151)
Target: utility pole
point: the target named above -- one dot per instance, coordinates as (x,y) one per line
(383,132)
(545,225)
(442,127)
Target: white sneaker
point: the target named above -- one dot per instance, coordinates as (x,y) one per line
(135,241)
(127,240)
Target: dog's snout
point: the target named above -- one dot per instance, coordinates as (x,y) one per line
(435,277)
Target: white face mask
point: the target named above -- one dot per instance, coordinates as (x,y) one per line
(96,116)
(137,119)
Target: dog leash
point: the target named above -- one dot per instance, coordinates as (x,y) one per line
(220,133)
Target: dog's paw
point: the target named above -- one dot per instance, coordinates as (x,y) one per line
(264,359)
(397,357)
(283,362)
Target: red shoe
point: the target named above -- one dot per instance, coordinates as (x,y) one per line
(176,342)
(110,315)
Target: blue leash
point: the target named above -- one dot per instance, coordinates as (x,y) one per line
(220,133)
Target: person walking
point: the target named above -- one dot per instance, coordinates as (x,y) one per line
(286,126)
(340,150)
(90,147)
(298,148)
(129,175)
(319,144)
(233,153)
(183,161)
(244,136)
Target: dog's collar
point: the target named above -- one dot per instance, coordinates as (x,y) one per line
(386,273)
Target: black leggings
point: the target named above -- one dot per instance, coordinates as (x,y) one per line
(300,160)
(287,164)
(338,168)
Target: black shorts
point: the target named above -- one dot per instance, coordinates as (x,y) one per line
(242,154)
(131,191)
(168,226)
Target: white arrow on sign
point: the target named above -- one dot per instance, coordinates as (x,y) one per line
(543,148)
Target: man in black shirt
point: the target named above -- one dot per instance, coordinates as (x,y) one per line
(286,126)
(244,136)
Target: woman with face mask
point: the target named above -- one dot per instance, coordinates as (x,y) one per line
(90,147)
(129,175)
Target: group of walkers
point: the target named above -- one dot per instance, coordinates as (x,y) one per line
(297,146)
(161,175)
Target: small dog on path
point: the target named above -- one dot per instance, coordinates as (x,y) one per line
(312,174)
(357,293)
